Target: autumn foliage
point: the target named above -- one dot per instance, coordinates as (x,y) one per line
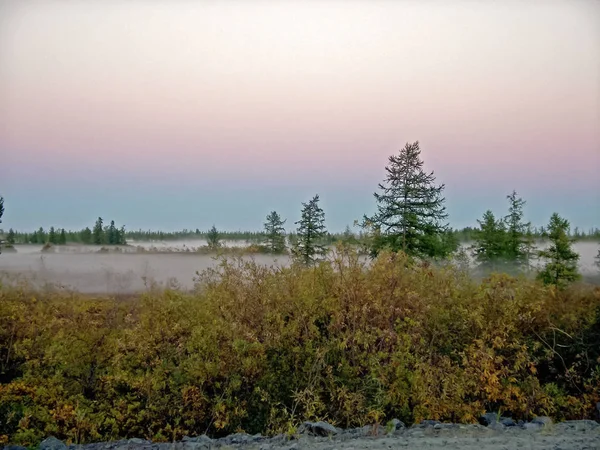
(260,349)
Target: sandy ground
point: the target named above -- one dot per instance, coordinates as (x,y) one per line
(562,436)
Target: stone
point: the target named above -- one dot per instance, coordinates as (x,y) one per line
(488,418)
(508,422)
(446,426)
(318,429)
(14,447)
(51,443)
(498,426)
(396,425)
(427,424)
(543,421)
(202,439)
(241,438)
(138,441)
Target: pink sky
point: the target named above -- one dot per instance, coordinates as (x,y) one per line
(501,95)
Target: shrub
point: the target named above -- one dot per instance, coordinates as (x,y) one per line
(260,349)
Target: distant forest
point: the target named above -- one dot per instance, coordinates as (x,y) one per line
(111,235)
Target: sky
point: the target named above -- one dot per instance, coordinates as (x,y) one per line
(177,114)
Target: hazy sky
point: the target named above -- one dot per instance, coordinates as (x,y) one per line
(173,114)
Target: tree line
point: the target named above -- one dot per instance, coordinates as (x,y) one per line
(411,217)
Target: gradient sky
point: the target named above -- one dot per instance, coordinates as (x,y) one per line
(173,114)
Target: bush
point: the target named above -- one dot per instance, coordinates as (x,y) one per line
(260,349)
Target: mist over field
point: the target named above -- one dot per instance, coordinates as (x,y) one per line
(83,269)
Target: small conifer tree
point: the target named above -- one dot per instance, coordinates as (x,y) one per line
(488,249)
(98,232)
(309,244)
(213,238)
(275,233)
(62,237)
(10,237)
(561,265)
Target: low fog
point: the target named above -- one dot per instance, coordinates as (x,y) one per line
(141,264)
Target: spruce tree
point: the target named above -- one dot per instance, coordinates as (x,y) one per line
(348,236)
(518,245)
(112,234)
(275,233)
(52,238)
(213,239)
(62,237)
(488,249)
(309,240)
(86,236)
(10,237)
(561,266)
(410,209)
(1,208)
(122,240)
(98,232)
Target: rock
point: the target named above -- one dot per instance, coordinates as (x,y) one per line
(543,421)
(51,443)
(241,438)
(203,439)
(498,426)
(445,426)
(426,424)
(396,424)
(138,441)
(318,429)
(14,447)
(508,422)
(193,445)
(488,418)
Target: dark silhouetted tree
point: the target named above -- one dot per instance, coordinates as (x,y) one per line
(1,208)
(309,244)
(98,232)
(213,239)
(10,237)
(86,236)
(275,233)
(518,247)
(112,234)
(561,266)
(62,237)
(122,240)
(488,249)
(52,238)
(42,238)
(410,209)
